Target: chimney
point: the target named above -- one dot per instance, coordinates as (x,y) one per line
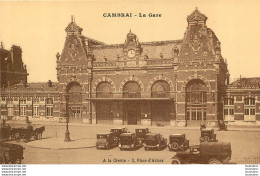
(49,83)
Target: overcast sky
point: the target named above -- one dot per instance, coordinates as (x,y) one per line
(39,28)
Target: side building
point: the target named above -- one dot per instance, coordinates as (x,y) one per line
(242,102)
(12,68)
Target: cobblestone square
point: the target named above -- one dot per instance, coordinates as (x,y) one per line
(244,145)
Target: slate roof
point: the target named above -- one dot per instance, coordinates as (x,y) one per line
(152,49)
(245,83)
(33,87)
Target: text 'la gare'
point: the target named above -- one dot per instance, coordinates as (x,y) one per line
(131,15)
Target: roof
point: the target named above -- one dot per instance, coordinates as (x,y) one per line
(127,134)
(118,128)
(177,134)
(152,134)
(105,133)
(152,50)
(33,87)
(245,83)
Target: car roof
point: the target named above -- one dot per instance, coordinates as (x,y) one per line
(207,129)
(104,133)
(127,134)
(119,128)
(152,134)
(177,134)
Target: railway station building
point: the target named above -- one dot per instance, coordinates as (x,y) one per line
(181,82)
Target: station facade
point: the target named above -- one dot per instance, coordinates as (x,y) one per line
(176,82)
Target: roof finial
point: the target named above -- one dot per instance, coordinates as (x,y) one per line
(130,31)
(196,8)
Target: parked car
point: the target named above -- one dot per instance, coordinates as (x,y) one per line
(129,141)
(141,133)
(155,141)
(11,153)
(222,126)
(178,142)
(106,141)
(5,133)
(205,153)
(118,131)
(207,135)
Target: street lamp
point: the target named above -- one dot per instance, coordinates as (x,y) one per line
(67,133)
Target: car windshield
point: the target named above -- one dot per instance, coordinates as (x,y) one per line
(151,137)
(175,139)
(151,142)
(126,138)
(101,140)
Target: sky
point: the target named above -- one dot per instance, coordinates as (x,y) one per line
(39,28)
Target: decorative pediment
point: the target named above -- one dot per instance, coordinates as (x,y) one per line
(196,16)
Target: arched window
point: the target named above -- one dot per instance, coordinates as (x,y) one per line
(160,89)
(74,91)
(196,92)
(104,90)
(131,89)
(196,98)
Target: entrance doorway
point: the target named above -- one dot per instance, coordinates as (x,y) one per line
(132,117)
(196,116)
(132,112)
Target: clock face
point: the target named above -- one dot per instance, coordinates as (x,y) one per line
(131,53)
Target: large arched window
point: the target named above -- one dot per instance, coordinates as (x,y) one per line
(160,89)
(196,92)
(104,90)
(131,89)
(74,91)
(196,98)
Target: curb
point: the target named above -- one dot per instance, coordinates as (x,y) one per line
(60,148)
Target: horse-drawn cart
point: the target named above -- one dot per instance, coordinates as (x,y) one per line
(11,153)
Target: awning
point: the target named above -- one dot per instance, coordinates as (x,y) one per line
(130,99)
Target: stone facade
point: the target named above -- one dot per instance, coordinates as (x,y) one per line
(176,82)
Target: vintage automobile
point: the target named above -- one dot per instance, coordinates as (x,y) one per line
(155,141)
(207,135)
(129,141)
(118,131)
(5,133)
(11,153)
(141,133)
(205,153)
(178,142)
(222,126)
(106,141)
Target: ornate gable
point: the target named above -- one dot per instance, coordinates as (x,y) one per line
(196,16)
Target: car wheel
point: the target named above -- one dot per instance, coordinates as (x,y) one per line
(206,138)
(176,160)
(175,146)
(214,161)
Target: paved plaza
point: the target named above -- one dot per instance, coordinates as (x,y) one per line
(52,149)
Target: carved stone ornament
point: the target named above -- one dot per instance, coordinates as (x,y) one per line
(73,48)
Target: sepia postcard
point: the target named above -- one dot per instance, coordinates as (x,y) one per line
(130,82)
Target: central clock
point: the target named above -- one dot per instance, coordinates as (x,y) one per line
(131,53)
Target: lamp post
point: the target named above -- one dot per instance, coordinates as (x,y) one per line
(67,133)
